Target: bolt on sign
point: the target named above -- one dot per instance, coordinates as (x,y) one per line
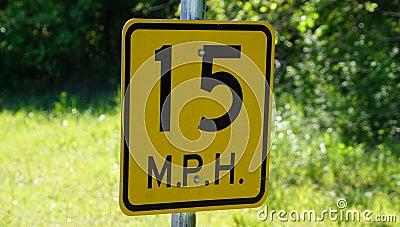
(196,115)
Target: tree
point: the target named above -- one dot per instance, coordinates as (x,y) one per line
(340,59)
(48,44)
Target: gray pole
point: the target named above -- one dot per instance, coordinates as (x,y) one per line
(190,10)
(187,219)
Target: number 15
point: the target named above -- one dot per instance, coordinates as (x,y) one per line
(209,80)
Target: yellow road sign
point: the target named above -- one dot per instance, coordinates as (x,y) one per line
(196,115)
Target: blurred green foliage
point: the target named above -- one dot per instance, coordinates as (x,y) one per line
(339,59)
(47,44)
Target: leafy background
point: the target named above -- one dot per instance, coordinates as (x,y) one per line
(338,58)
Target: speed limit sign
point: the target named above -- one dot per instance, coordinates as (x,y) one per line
(196,115)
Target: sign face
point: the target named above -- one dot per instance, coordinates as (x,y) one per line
(196,115)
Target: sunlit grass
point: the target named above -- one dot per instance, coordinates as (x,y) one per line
(63,168)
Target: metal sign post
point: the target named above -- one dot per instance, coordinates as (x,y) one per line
(190,10)
(203,152)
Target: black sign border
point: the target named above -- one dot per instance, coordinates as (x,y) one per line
(125,152)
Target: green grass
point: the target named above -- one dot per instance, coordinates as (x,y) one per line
(62,168)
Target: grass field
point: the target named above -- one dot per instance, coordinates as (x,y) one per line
(61,167)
